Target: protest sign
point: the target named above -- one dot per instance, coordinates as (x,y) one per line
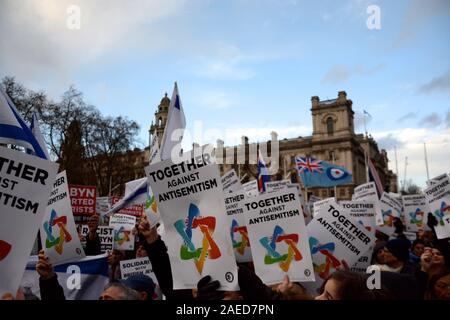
(25,185)
(102,206)
(105,235)
(391,208)
(274,186)
(83,201)
(438,200)
(368,192)
(278,237)
(137,266)
(323,203)
(362,211)
(437,179)
(335,237)
(192,206)
(363,262)
(231,182)
(415,210)
(151,208)
(123,231)
(59,236)
(234,205)
(251,188)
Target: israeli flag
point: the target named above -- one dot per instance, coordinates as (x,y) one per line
(176,121)
(81,280)
(34,126)
(13,129)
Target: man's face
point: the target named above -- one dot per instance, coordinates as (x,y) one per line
(112,293)
(387,257)
(140,252)
(442,288)
(418,249)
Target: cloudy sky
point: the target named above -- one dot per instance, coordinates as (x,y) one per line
(247,66)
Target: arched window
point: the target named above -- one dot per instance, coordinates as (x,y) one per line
(330,126)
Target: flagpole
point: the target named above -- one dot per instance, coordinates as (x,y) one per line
(426,160)
(396,165)
(367,166)
(404,176)
(335,187)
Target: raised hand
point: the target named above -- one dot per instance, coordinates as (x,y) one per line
(43,267)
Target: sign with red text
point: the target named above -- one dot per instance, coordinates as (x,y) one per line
(83,200)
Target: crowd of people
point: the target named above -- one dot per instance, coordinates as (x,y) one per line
(413,271)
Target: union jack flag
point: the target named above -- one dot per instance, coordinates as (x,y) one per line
(309,165)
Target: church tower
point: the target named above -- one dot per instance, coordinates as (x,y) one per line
(332,118)
(160,119)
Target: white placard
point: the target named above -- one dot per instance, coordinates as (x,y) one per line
(251,188)
(59,236)
(26,182)
(234,205)
(415,211)
(231,182)
(334,237)
(123,225)
(192,206)
(278,237)
(438,200)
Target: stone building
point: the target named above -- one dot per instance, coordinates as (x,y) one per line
(333,139)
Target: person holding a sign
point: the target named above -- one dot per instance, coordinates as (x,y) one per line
(159,258)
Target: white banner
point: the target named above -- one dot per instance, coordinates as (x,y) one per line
(234,205)
(192,206)
(415,211)
(334,237)
(59,234)
(438,200)
(26,182)
(278,237)
(231,182)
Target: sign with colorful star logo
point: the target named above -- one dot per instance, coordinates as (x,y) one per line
(277,232)
(438,201)
(59,234)
(191,203)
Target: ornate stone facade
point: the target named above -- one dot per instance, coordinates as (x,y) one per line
(333,139)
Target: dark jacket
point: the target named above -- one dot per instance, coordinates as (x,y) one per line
(159,258)
(51,289)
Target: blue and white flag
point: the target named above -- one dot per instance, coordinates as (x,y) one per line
(176,122)
(263,173)
(137,195)
(318,173)
(13,129)
(81,280)
(34,126)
